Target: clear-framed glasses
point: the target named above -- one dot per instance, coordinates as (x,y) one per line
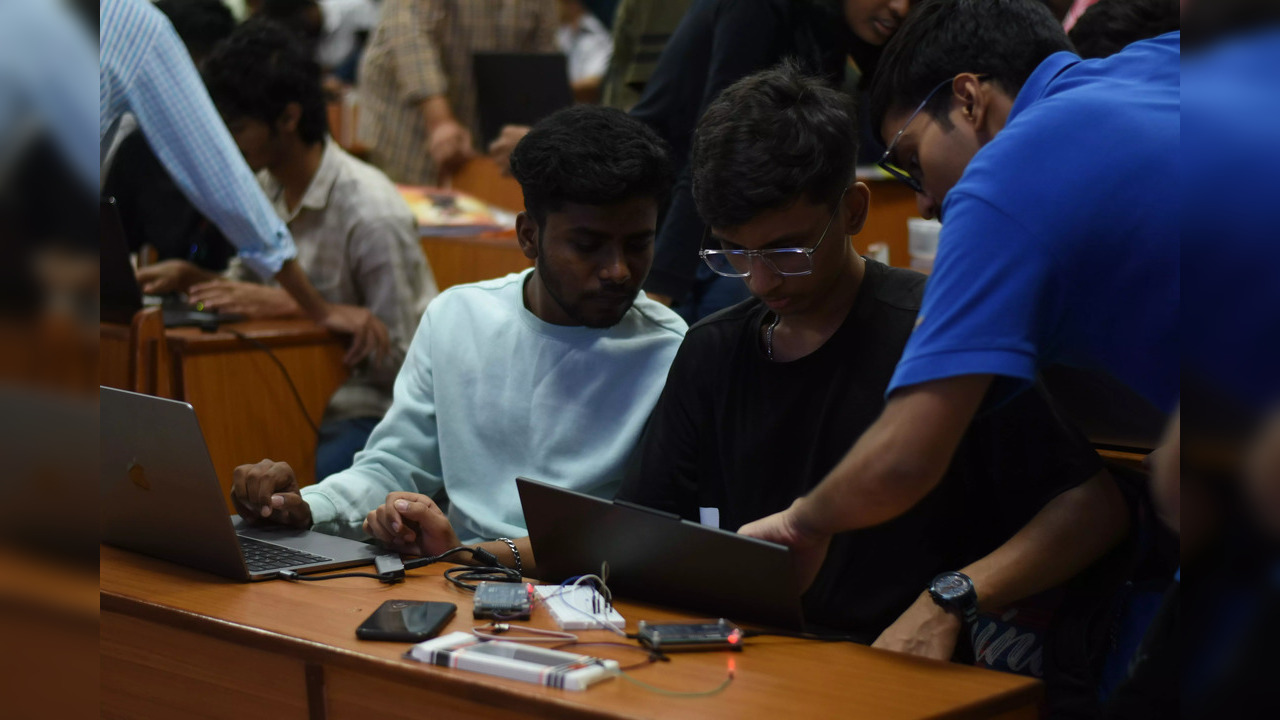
(887,164)
(788,262)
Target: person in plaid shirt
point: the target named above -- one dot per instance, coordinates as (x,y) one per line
(417,100)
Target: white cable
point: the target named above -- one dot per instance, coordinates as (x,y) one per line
(500,630)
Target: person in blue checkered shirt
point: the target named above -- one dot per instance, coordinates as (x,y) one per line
(144,69)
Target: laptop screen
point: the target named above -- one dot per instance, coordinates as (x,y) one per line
(120,296)
(658,557)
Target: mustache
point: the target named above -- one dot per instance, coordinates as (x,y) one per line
(616,292)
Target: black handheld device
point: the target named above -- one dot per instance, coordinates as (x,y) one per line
(503,601)
(406,621)
(709,635)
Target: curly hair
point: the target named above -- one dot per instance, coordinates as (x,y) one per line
(259,70)
(590,155)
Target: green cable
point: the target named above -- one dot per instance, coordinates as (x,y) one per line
(675,693)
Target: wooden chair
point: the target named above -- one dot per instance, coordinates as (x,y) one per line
(150,364)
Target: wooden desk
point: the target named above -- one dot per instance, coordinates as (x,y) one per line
(115,348)
(240,396)
(481,177)
(891,204)
(177,642)
(469,259)
(49,621)
(458,260)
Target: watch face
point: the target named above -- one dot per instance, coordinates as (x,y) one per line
(951,585)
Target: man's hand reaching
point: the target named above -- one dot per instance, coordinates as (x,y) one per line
(789,528)
(369,336)
(411,523)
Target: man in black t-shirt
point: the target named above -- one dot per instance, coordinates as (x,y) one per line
(764,398)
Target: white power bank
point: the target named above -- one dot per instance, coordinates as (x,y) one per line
(516,661)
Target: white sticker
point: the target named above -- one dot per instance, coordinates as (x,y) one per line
(709,516)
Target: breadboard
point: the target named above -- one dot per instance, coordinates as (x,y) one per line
(573,607)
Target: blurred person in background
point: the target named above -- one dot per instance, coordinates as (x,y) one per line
(48,367)
(1211,653)
(1073,12)
(304,18)
(589,49)
(333,31)
(153,211)
(357,238)
(1263,475)
(588,46)
(641,29)
(417,94)
(144,69)
(605,10)
(48,220)
(347,26)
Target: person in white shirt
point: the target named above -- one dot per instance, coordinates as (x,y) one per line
(550,373)
(347,24)
(588,45)
(357,238)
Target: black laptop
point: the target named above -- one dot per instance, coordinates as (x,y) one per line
(119,295)
(519,89)
(661,558)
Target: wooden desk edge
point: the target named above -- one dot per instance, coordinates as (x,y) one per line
(269,334)
(113,330)
(1001,705)
(479,688)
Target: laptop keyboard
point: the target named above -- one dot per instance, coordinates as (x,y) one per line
(262,556)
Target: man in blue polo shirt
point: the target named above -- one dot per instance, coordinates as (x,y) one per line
(1217,647)
(1057,181)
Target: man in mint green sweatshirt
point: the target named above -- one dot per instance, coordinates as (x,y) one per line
(549,373)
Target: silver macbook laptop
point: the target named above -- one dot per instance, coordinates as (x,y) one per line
(161,497)
(659,557)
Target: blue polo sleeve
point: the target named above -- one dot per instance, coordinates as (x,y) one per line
(991,303)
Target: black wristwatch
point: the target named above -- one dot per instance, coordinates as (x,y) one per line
(954,592)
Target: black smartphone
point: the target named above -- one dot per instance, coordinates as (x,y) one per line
(406,621)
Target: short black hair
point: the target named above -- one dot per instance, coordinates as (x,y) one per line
(201,24)
(590,155)
(1006,40)
(1107,27)
(259,70)
(294,15)
(769,139)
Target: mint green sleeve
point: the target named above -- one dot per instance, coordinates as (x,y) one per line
(402,455)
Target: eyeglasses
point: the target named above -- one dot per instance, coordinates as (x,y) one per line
(892,168)
(788,262)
